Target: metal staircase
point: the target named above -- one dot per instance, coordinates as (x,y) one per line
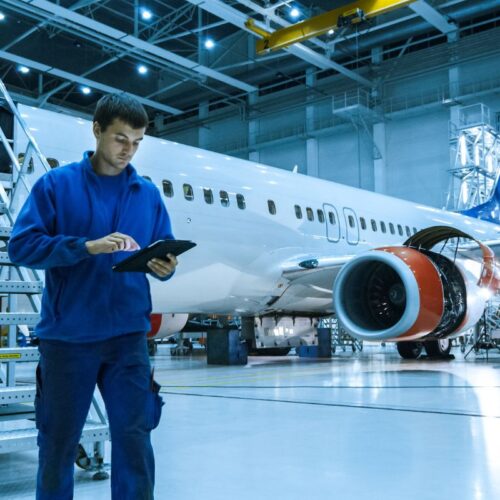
(20,305)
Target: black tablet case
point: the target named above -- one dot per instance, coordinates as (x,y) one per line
(159,249)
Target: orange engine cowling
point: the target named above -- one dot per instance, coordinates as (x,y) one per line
(404,293)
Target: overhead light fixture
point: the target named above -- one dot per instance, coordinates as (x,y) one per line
(2,16)
(146,14)
(295,13)
(142,69)
(86,90)
(331,32)
(24,70)
(209,44)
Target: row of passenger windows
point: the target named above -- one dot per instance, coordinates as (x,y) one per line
(208,195)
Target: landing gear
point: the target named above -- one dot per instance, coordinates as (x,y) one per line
(410,350)
(184,347)
(438,348)
(93,464)
(152,347)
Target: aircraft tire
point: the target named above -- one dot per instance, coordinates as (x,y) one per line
(438,348)
(409,350)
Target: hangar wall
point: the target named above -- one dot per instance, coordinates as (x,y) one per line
(415,153)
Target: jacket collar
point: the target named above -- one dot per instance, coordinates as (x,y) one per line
(132,175)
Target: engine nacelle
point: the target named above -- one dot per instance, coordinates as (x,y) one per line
(401,293)
(164,325)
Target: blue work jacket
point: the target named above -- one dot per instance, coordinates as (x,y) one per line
(84,300)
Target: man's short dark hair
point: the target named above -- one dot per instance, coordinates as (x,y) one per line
(121,106)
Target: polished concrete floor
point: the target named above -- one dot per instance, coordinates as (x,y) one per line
(367,426)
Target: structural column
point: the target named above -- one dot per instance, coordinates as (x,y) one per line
(203,130)
(253,129)
(312,150)
(454,79)
(379,139)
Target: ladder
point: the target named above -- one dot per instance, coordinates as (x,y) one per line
(20,305)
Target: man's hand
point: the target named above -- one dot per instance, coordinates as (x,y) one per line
(115,242)
(163,268)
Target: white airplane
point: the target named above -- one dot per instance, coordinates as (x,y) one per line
(273,245)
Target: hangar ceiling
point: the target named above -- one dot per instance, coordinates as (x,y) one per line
(70,45)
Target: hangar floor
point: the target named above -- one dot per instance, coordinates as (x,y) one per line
(366,426)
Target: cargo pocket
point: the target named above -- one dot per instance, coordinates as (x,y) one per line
(156,403)
(39,410)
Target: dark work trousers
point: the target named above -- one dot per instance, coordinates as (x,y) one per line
(66,378)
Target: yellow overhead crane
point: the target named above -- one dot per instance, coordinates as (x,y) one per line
(348,14)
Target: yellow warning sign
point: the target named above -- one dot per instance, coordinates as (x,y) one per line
(14,355)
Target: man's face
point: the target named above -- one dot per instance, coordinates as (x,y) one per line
(117,145)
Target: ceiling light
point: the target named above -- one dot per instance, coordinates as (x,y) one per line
(146,14)
(331,32)
(24,70)
(142,69)
(209,44)
(2,16)
(295,12)
(86,90)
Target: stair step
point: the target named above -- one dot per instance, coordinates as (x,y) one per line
(5,233)
(21,287)
(26,439)
(4,259)
(23,318)
(4,177)
(3,207)
(17,394)
(19,354)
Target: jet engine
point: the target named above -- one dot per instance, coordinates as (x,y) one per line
(405,293)
(164,325)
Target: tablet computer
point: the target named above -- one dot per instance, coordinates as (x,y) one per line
(159,249)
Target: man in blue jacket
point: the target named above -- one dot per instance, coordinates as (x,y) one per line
(79,220)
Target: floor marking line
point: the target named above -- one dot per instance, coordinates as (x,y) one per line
(339,405)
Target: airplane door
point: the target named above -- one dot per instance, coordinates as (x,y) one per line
(352,226)
(332,222)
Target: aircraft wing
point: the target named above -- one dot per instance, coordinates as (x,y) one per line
(309,285)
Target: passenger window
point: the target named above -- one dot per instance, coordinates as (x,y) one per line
(209,196)
(321,216)
(298,212)
(414,230)
(331,217)
(310,214)
(382,227)
(168,189)
(240,199)
(374,225)
(408,232)
(144,176)
(224,198)
(400,230)
(351,221)
(362,222)
(188,192)
(271,206)
(391,228)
